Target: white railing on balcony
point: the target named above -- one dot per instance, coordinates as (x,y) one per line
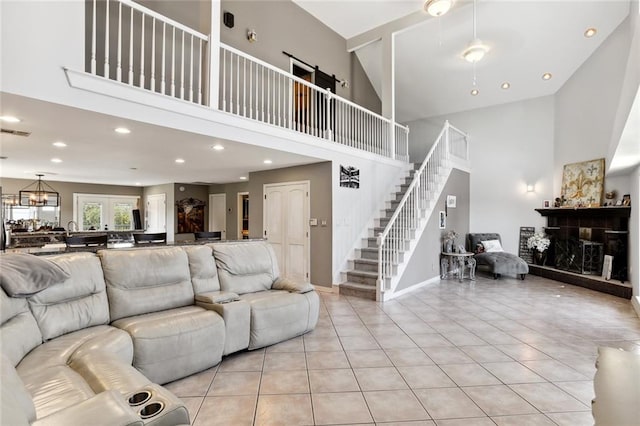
(255,89)
(132,44)
(414,207)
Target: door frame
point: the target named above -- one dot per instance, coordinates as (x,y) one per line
(210,224)
(307,219)
(239,213)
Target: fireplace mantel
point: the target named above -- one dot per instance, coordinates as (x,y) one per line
(612,211)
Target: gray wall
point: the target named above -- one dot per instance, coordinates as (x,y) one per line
(66,191)
(284,26)
(231,190)
(168,189)
(425,262)
(319,175)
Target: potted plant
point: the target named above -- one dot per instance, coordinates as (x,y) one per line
(539,242)
(449,241)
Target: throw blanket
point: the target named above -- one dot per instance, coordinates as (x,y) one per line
(22,275)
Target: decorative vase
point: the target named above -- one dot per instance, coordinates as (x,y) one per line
(539,257)
(448,246)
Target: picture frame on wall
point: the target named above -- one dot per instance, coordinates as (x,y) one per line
(451,201)
(442,220)
(546,204)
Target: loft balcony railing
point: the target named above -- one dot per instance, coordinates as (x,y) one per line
(134,45)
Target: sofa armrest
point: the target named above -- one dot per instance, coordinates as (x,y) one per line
(108,408)
(217,297)
(291,286)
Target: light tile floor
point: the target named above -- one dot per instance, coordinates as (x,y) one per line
(504,352)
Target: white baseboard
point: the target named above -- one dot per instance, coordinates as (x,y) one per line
(414,287)
(635,302)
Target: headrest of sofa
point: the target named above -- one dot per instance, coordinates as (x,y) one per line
(246,267)
(22,274)
(204,274)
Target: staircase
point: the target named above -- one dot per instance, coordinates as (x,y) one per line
(381,260)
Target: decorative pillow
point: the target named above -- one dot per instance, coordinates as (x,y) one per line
(479,248)
(492,246)
(22,275)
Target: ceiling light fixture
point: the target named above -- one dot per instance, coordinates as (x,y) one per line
(59,144)
(590,32)
(476,50)
(122,130)
(138,184)
(56,160)
(267,161)
(39,194)
(437,7)
(505,85)
(9,119)
(474,92)
(218,147)
(547,76)
(243,178)
(179,160)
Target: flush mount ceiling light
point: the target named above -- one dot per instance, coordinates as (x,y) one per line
(59,144)
(547,76)
(437,7)
(9,119)
(590,32)
(505,85)
(476,49)
(474,92)
(122,130)
(39,194)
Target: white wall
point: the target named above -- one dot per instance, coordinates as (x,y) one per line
(354,210)
(510,146)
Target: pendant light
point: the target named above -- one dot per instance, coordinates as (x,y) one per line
(39,194)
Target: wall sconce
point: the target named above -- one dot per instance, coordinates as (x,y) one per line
(531,187)
(252,36)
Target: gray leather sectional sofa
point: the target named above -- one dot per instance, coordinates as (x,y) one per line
(95,347)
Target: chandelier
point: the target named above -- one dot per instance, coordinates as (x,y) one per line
(39,194)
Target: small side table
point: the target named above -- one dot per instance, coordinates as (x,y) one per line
(455,263)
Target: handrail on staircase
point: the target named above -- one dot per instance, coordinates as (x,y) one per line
(384,259)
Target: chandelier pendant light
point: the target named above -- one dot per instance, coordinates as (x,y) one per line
(475,50)
(39,194)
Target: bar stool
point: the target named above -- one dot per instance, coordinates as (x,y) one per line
(213,236)
(156,238)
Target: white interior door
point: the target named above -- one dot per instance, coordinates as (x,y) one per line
(218,214)
(155,213)
(286,221)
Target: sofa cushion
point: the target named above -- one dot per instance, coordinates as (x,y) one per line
(19,332)
(175,343)
(104,371)
(277,315)
(141,281)
(503,263)
(204,274)
(75,303)
(55,388)
(17,405)
(25,274)
(245,267)
(61,350)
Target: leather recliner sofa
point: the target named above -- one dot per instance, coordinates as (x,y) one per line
(96,347)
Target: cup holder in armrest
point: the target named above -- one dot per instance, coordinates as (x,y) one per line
(139,398)
(151,410)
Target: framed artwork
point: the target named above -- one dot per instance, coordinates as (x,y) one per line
(442,220)
(583,183)
(546,204)
(451,201)
(190,215)
(349,177)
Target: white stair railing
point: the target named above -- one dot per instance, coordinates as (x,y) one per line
(260,91)
(413,209)
(135,45)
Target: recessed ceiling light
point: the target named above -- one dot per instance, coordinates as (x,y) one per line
(56,160)
(474,92)
(590,32)
(10,119)
(267,161)
(218,147)
(138,184)
(243,178)
(59,144)
(437,7)
(179,160)
(546,76)
(122,130)
(505,85)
